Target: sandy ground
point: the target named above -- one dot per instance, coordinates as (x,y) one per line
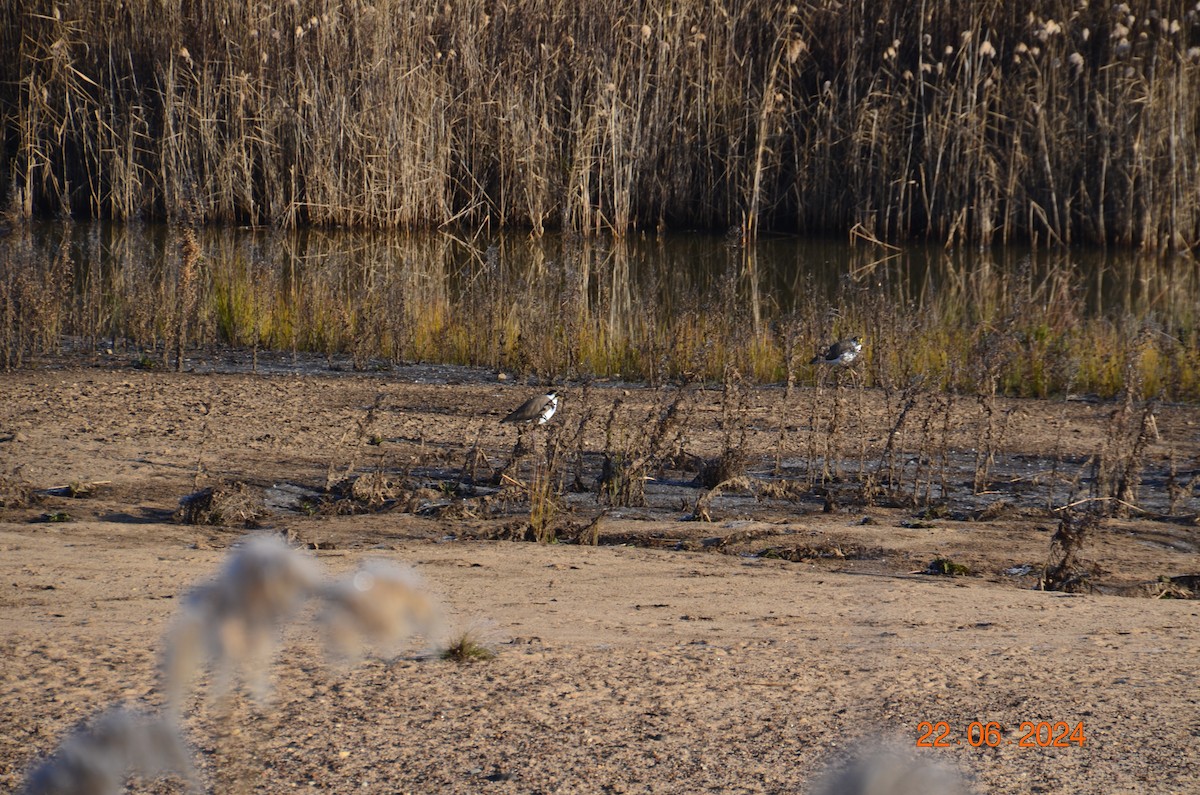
(747,654)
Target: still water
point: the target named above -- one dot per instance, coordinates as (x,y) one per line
(647,307)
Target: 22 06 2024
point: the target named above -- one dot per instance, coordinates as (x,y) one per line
(1033,734)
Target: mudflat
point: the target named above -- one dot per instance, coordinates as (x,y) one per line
(791,632)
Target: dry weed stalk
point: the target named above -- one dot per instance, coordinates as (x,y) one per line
(945,406)
(1129,432)
(627,464)
(545,491)
(232,622)
(362,492)
(1064,569)
(97,758)
(589,534)
(788,331)
(362,431)
(1129,470)
(233,504)
(701,511)
(1178,489)
(381,604)
(576,443)
(185,291)
(735,407)
(888,460)
(932,452)
(476,460)
(523,448)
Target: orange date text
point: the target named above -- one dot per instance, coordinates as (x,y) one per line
(1031,734)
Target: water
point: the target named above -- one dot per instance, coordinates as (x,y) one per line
(645,307)
(779,268)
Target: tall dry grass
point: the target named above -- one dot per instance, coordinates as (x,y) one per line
(988,121)
(231,627)
(562,308)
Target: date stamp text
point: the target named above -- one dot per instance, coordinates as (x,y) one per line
(1031,734)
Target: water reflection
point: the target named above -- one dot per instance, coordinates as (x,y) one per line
(647,307)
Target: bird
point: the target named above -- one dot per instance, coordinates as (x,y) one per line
(840,352)
(537,409)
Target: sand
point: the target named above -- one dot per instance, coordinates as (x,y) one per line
(674,657)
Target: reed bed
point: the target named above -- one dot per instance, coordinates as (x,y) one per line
(568,308)
(1051,122)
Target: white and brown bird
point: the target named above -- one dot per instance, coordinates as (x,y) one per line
(841,352)
(536,410)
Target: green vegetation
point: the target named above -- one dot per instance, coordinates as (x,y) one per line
(984,323)
(988,121)
(984,122)
(947,568)
(467,648)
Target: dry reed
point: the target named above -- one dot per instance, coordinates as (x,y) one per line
(381,604)
(985,323)
(232,623)
(984,122)
(97,758)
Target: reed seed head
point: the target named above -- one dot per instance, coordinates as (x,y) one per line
(795,49)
